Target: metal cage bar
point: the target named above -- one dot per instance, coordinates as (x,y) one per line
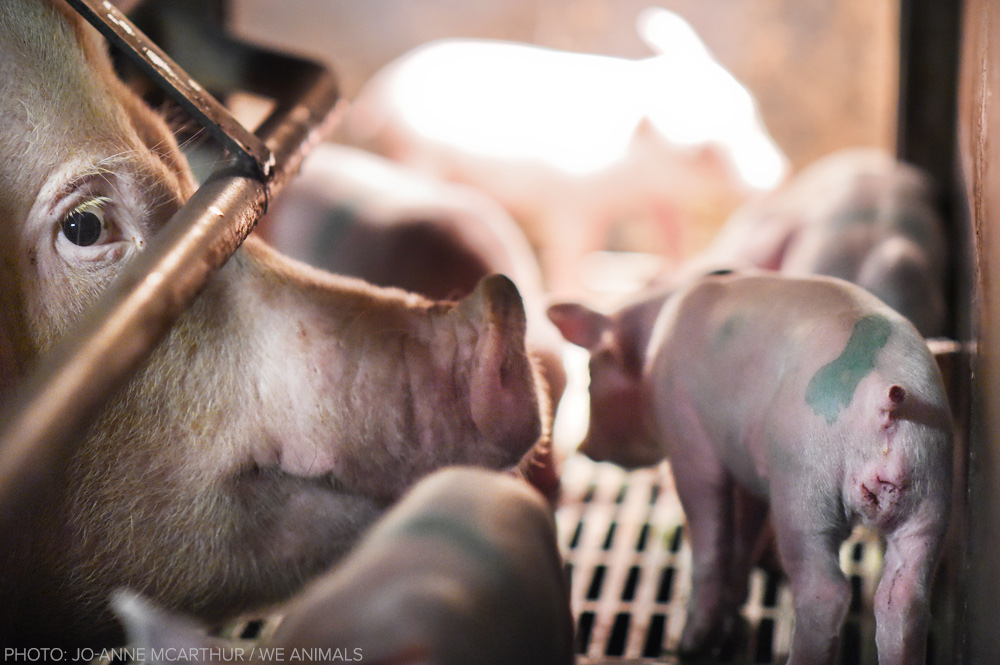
(188,94)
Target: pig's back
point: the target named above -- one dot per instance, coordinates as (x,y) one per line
(780,368)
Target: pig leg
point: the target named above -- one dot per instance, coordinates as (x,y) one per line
(706,495)
(810,550)
(902,599)
(749,518)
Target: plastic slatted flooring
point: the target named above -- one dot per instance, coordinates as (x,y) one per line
(622,536)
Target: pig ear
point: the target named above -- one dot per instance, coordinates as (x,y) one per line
(154,629)
(578,324)
(668,34)
(503,376)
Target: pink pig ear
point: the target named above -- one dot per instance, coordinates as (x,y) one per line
(579,324)
(503,376)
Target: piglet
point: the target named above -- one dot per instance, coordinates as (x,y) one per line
(356,213)
(807,394)
(858,214)
(465,569)
(583,149)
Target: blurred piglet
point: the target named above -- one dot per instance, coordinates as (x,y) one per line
(858,214)
(355,213)
(579,147)
(285,411)
(807,394)
(465,569)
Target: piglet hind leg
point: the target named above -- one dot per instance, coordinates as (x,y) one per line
(902,611)
(748,529)
(707,499)
(820,590)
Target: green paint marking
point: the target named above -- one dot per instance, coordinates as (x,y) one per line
(832,387)
(331,233)
(460,536)
(727,330)
(914,224)
(853,217)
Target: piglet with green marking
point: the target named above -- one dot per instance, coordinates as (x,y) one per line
(807,397)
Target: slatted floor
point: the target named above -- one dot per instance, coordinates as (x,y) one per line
(622,536)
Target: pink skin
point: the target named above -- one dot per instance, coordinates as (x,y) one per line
(857,214)
(465,569)
(284,412)
(355,213)
(745,383)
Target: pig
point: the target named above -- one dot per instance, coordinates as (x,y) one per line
(858,214)
(466,569)
(285,411)
(805,394)
(355,213)
(583,149)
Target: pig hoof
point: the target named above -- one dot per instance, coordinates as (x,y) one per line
(727,638)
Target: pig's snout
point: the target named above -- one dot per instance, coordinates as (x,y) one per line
(504,390)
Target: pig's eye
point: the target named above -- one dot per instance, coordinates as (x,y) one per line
(85,225)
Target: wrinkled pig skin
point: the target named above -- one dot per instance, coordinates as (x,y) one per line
(858,214)
(807,394)
(282,414)
(668,149)
(465,569)
(355,213)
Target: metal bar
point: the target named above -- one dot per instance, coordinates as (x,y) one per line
(929,34)
(40,424)
(926,129)
(194,99)
(300,121)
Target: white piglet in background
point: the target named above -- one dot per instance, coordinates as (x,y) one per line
(283,414)
(583,149)
(805,396)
